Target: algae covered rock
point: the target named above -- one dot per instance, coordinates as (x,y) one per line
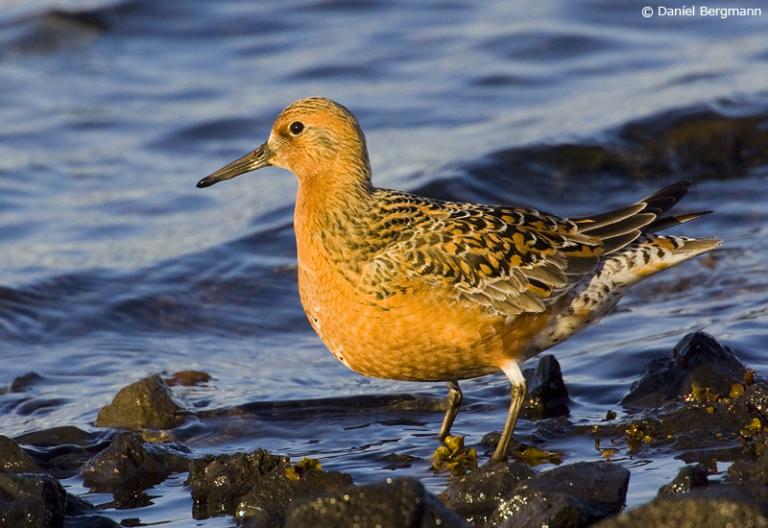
(148,403)
(258,487)
(698,363)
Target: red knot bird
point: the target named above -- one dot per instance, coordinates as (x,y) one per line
(406,287)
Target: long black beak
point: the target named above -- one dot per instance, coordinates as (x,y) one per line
(250,162)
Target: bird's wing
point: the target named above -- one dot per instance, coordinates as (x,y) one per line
(506,260)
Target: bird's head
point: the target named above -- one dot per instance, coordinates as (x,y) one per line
(314,138)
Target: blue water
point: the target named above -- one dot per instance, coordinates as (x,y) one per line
(114,266)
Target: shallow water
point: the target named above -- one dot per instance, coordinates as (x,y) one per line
(113,265)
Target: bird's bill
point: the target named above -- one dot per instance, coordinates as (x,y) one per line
(252,161)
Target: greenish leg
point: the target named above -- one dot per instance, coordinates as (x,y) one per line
(454,402)
(518,392)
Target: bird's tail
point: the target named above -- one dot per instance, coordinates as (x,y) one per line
(620,227)
(633,252)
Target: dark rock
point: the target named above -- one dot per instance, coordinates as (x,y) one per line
(13,459)
(219,482)
(748,493)
(148,403)
(689,513)
(752,464)
(478,493)
(533,509)
(398,503)
(56,436)
(573,495)
(81,514)
(602,484)
(257,487)
(688,478)
(266,503)
(490,439)
(62,451)
(90,521)
(697,359)
(547,394)
(129,464)
(398,461)
(23,382)
(31,500)
(77,506)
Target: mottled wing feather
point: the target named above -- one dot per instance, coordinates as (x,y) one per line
(507,260)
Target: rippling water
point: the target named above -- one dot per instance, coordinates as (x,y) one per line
(113,266)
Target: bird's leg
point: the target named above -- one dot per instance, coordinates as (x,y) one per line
(518,392)
(454,402)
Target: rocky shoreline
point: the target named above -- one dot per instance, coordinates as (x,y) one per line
(700,401)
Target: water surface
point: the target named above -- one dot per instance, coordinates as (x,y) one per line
(114,266)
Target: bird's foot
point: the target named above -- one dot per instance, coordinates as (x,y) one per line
(453,456)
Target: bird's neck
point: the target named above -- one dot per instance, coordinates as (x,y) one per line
(330,214)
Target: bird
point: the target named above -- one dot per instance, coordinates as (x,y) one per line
(406,287)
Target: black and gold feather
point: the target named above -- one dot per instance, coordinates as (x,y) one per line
(509,260)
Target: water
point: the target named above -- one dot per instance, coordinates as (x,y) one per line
(114,266)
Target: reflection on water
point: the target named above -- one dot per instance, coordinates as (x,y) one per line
(115,266)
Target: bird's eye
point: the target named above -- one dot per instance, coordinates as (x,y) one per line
(296,128)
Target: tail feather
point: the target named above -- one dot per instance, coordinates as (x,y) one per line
(665,222)
(619,228)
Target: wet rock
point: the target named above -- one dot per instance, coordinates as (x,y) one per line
(219,482)
(688,478)
(700,143)
(698,359)
(188,378)
(477,494)
(148,403)
(62,451)
(547,394)
(392,504)
(90,521)
(689,513)
(573,495)
(129,464)
(55,436)
(752,462)
(398,461)
(265,505)
(77,506)
(81,514)
(13,459)
(31,501)
(23,382)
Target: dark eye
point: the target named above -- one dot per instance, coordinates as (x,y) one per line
(296,128)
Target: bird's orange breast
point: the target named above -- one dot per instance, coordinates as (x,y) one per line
(425,334)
